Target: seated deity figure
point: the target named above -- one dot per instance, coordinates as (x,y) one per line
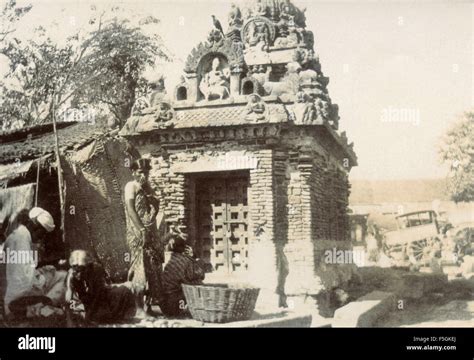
(255,110)
(164,113)
(258,34)
(216,82)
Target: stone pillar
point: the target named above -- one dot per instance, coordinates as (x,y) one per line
(262,253)
(235,82)
(300,249)
(171,188)
(193,87)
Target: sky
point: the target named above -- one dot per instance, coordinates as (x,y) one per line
(400,71)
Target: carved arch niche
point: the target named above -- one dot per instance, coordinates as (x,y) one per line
(183,91)
(205,68)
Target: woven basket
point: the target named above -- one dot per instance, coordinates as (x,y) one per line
(220,303)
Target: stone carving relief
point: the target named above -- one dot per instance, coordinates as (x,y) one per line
(289,83)
(215,83)
(287,33)
(160,116)
(307,59)
(259,9)
(232,50)
(259,72)
(259,33)
(312,83)
(215,38)
(164,114)
(256,109)
(235,23)
(322,109)
(140,105)
(334,117)
(313,105)
(305,109)
(155,94)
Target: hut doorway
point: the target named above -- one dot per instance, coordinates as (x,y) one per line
(222,221)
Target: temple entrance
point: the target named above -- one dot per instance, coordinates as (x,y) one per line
(222,221)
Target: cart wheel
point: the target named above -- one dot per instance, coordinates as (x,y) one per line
(419,252)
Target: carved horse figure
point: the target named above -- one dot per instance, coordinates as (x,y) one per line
(215,83)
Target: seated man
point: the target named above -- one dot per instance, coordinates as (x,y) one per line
(88,284)
(180,269)
(27,285)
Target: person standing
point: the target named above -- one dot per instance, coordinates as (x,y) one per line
(146,246)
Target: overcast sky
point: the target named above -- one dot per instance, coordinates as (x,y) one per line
(401,72)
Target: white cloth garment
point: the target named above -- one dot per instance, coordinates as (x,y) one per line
(20,264)
(22,277)
(43,217)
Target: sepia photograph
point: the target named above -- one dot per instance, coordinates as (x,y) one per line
(237,164)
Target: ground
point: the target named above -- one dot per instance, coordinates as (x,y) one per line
(453,307)
(448,305)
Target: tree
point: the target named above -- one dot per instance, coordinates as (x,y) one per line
(44,75)
(10,15)
(457,150)
(100,66)
(123,51)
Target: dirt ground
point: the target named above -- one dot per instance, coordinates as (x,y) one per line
(451,307)
(437,310)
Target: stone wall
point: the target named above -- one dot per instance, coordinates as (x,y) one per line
(316,188)
(297,197)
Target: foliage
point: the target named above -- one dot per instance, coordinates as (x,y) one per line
(457,150)
(101,68)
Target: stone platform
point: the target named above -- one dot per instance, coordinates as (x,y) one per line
(274,319)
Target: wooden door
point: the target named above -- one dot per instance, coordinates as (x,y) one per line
(222,222)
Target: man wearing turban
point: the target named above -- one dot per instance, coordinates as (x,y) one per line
(28,285)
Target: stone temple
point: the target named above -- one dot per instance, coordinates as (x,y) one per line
(247,157)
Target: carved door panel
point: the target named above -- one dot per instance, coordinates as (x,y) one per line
(222,224)
(237,223)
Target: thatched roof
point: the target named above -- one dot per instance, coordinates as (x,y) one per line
(32,142)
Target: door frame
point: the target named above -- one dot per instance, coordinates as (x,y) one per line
(193,219)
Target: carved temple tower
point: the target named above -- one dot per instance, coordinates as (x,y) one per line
(247,156)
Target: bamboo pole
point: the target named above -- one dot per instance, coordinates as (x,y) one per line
(37,181)
(59,169)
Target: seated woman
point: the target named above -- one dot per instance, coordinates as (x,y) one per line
(180,269)
(102,302)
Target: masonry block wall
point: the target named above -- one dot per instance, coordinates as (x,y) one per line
(316,189)
(173,177)
(297,200)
